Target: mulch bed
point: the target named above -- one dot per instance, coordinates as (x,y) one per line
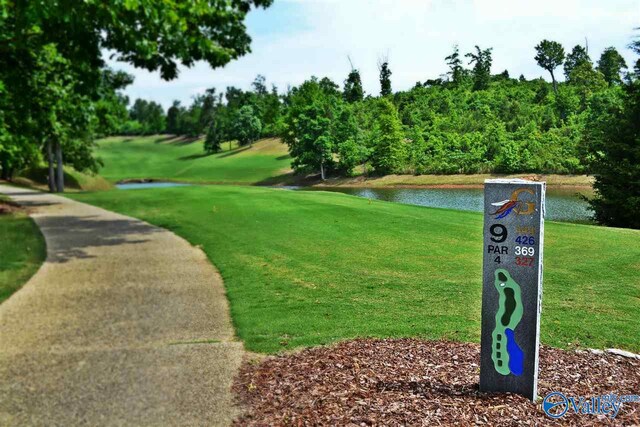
(412,382)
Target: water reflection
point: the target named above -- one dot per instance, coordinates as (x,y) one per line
(141,185)
(562,205)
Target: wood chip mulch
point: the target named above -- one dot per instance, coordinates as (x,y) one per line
(412,382)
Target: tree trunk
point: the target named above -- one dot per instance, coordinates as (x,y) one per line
(322,170)
(555,84)
(50,161)
(59,169)
(229,145)
(6,175)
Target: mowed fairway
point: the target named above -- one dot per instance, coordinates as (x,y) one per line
(164,157)
(308,268)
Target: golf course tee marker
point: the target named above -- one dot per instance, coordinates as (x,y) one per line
(511,285)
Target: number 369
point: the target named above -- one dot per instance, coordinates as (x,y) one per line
(523,250)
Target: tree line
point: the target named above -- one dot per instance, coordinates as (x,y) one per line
(467,121)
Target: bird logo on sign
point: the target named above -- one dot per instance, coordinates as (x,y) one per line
(513,204)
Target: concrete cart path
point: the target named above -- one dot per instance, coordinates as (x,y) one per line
(124,324)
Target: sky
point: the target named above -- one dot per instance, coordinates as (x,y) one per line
(296,39)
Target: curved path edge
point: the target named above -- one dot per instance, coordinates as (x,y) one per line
(125,323)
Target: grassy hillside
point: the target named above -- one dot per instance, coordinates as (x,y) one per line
(176,159)
(22,250)
(308,268)
(167,158)
(37,177)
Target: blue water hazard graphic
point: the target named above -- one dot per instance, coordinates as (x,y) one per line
(516,355)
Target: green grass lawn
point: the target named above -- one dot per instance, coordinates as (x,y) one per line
(167,158)
(22,251)
(308,268)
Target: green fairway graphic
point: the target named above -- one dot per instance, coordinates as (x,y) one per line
(506,354)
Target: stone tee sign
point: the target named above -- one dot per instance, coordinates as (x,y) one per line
(512,285)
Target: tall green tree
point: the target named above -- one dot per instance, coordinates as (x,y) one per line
(309,130)
(578,56)
(353,91)
(207,109)
(611,64)
(260,85)
(173,118)
(613,134)
(389,152)
(350,147)
(385,79)
(587,81)
(456,69)
(219,130)
(481,61)
(550,55)
(614,141)
(246,126)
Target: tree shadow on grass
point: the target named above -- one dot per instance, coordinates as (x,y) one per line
(70,237)
(166,138)
(184,140)
(196,156)
(234,151)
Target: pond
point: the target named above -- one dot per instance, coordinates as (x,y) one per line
(562,205)
(154,184)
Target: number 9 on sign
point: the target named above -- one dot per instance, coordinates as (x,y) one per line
(498,233)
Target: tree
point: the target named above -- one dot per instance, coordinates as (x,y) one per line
(587,80)
(111,107)
(329,87)
(482,67)
(385,79)
(219,129)
(246,126)
(610,65)
(353,91)
(578,56)
(309,128)
(271,113)
(259,85)
(389,153)
(456,70)
(80,32)
(207,109)
(550,55)
(150,115)
(350,148)
(614,141)
(173,118)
